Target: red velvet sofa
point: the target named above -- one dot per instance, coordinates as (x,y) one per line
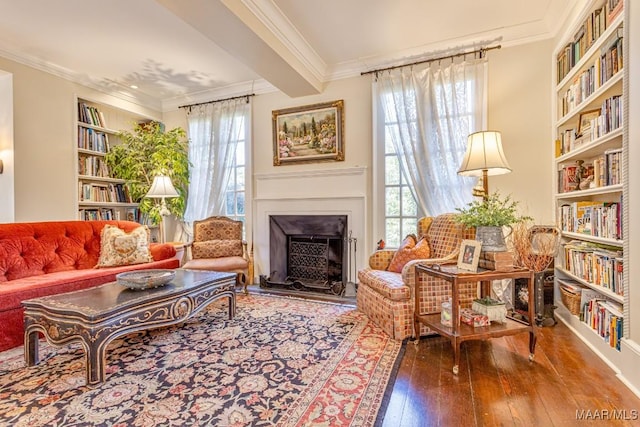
(46,258)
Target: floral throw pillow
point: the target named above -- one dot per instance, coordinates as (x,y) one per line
(118,247)
(410,249)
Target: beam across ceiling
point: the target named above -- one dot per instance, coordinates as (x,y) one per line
(240,30)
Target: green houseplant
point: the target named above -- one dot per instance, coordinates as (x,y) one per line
(488,217)
(148,150)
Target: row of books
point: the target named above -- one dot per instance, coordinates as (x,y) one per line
(601,219)
(91,115)
(595,264)
(89,139)
(591,29)
(604,170)
(98,214)
(596,125)
(610,118)
(110,193)
(93,166)
(606,318)
(603,316)
(597,74)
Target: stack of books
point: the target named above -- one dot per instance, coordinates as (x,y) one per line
(499,261)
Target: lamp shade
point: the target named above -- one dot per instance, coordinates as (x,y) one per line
(162,187)
(484,153)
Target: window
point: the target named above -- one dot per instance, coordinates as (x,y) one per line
(219,134)
(235,194)
(401,210)
(423,121)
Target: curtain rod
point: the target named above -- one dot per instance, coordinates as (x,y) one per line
(481,51)
(218,100)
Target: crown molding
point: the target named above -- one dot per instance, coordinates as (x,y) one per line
(270,15)
(105,86)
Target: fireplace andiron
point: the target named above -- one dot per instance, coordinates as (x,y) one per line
(332,287)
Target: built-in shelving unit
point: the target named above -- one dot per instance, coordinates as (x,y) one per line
(590,190)
(101,196)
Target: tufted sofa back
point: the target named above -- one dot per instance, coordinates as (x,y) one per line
(31,249)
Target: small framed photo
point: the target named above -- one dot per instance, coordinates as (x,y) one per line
(469,255)
(584,122)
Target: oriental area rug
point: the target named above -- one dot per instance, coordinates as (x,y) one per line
(280,362)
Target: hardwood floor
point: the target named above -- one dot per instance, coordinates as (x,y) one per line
(498,386)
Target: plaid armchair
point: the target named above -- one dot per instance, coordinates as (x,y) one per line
(218,246)
(387,298)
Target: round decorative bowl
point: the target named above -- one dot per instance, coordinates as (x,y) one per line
(145,279)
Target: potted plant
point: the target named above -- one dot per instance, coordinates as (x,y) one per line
(488,217)
(148,150)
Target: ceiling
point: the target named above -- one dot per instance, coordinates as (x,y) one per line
(184,51)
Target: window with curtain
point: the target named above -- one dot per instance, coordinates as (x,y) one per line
(218,134)
(423,120)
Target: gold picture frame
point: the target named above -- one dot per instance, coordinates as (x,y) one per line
(469,255)
(584,121)
(310,133)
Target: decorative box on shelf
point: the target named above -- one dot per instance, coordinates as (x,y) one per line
(495,310)
(473,318)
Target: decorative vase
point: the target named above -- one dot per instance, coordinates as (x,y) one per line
(491,237)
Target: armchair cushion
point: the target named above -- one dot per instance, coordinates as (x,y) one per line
(216,249)
(230,263)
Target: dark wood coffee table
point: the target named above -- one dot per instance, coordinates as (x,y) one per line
(97,316)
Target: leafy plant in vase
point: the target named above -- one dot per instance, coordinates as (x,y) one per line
(489,217)
(148,150)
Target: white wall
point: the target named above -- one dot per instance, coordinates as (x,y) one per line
(7,193)
(44,111)
(519,106)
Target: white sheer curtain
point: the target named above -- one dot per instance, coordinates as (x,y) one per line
(434,110)
(214,130)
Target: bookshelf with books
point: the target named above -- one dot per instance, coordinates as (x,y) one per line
(101,196)
(592,189)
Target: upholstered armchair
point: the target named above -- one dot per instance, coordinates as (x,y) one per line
(218,246)
(387,297)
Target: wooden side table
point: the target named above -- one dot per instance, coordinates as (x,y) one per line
(457,332)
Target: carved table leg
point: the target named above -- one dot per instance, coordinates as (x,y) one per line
(95,366)
(31,353)
(232,305)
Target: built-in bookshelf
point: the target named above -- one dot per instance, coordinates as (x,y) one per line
(101,196)
(589,191)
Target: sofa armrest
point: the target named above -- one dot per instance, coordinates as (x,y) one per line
(409,271)
(381,259)
(162,251)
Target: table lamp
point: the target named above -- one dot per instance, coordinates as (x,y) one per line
(484,157)
(162,188)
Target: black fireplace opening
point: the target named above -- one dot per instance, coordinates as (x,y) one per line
(307,253)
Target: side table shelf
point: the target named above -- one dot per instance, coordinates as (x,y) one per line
(459,332)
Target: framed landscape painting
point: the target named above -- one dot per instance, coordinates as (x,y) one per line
(311,133)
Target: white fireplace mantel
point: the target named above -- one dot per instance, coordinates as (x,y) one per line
(314,192)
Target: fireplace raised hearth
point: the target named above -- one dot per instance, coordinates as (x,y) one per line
(307,253)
